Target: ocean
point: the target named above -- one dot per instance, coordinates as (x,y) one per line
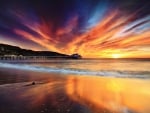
(75,86)
(124,68)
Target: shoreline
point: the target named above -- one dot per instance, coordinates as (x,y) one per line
(71,93)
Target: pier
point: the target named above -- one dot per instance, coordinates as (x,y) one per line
(30,58)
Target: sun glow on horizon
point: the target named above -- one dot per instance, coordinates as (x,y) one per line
(116,56)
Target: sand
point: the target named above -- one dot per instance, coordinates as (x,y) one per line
(55,93)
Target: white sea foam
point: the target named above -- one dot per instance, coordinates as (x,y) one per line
(109,73)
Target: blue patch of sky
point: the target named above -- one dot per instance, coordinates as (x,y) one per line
(97,15)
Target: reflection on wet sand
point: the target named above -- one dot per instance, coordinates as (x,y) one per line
(118,95)
(53,93)
(39,98)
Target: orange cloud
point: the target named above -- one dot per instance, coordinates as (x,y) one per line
(114,34)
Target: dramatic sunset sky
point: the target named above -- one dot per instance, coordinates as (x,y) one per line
(92,28)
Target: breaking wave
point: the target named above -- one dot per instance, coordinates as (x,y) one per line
(108,73)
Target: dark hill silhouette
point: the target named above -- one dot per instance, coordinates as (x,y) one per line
(14,50)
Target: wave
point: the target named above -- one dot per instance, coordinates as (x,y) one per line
(108,73)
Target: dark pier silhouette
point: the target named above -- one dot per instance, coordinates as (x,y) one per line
(13,53)
(35,58)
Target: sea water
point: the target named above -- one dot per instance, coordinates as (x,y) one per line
(124,68)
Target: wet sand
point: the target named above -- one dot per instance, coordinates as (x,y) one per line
(47,95)
(71,94)
(40,98)
(118,95)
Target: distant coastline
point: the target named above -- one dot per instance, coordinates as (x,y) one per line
(9,52)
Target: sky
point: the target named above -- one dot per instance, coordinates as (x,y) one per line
(92,28)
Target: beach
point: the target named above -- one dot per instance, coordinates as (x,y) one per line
(42,91)
(48,95)
(74,56)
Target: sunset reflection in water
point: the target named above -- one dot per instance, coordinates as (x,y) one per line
(114,94)
(73,94)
